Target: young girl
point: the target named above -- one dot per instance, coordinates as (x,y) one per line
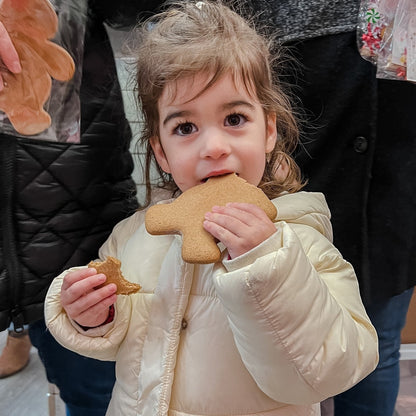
(277,325)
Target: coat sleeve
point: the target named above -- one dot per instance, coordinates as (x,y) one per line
(297,317)
(102,342)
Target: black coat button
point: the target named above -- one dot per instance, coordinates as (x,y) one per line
(360,144)
(184,324)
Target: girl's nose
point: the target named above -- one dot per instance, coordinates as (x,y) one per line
(214,145)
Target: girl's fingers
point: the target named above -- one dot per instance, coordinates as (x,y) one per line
(232,223)
(95,316)
(94,297)
(247,213)
(95,300)
(250,209)
(240,227)
(82,281)
(80,290)
(76,276)
(84,297)
(236,217)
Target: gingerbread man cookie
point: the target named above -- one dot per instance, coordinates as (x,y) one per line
(30,24)
(111,268)
(185,215)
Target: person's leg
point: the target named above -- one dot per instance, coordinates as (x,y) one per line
(85,384)
(15,355)
(376,395)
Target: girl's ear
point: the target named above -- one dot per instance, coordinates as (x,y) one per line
(160,154)
(271,132)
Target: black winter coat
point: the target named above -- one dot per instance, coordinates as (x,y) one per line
(59,201)
(360,151)
(359,140)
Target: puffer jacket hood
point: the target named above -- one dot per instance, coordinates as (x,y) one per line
(305,208)
(272,332)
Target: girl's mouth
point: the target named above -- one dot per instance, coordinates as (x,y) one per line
(219,173)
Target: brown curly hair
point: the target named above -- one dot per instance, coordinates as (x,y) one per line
(191,37)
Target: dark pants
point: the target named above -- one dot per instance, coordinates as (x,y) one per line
(376,395)
(85,384)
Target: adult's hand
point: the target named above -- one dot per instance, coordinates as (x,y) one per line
(8,55)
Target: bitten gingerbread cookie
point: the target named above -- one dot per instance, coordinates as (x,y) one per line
(30,24)
(111,268)
(185,215)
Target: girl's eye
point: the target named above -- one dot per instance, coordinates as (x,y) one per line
(183,129)
(235,120)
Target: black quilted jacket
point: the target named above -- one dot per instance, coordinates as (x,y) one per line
(58,200)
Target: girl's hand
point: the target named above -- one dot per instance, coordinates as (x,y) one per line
(8,54)
(239,226)
(81,300)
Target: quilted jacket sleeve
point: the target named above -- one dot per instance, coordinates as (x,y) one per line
(297,318)
(102,342)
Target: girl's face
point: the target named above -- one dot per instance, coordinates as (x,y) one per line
(223,130)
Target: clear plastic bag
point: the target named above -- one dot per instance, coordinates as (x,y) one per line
(63,104)
(370,30)
(386,34)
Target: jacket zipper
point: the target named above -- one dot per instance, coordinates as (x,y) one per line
(12,269)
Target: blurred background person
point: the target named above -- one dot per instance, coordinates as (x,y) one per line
(63,190)
(360,153)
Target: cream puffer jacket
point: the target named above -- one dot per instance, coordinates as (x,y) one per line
(272,332)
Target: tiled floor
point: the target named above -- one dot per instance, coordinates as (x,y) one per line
(26,393)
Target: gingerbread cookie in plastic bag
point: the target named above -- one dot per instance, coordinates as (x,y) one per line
(31,24)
